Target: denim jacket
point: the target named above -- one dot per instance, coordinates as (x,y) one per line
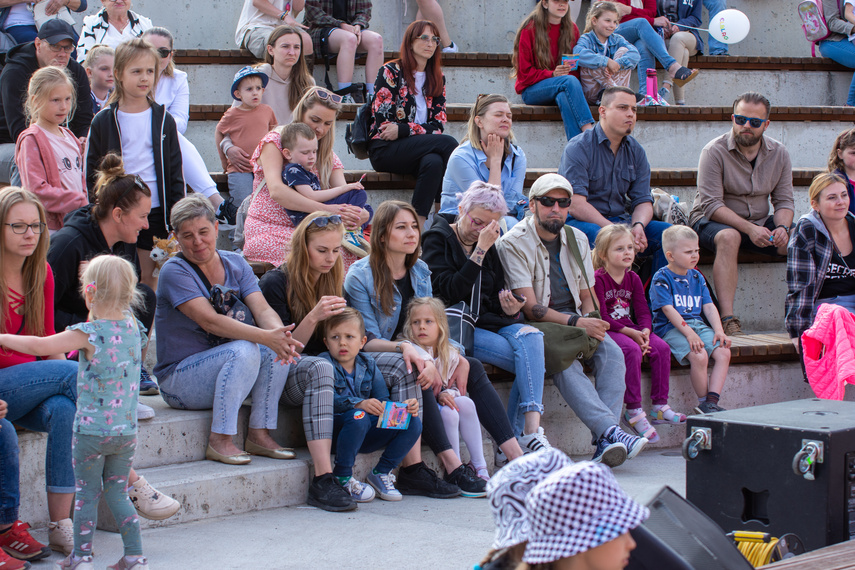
(592,53)
(359,292)
(368,383)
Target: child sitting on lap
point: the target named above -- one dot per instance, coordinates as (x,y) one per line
(678,297)
(360,398)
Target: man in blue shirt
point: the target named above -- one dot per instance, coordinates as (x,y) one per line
(607,168)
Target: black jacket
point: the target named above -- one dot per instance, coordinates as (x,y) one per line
(80,239)
(452,275)
(105,136)
(20,64)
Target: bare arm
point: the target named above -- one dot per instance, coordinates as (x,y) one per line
(320,195)
(585,212)
(535,311)
(61,343)
(271,162)
(218,138)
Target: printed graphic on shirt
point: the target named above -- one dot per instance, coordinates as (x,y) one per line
(837,271)
(620,310)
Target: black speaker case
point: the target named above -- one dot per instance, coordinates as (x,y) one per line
(753,449)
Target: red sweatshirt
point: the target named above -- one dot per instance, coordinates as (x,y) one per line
(528,73)
(648,12)
(14,320)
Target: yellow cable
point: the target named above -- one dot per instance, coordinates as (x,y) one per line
(755,550)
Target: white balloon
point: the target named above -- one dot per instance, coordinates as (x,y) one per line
(729,26)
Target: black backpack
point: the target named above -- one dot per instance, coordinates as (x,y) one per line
(356,133)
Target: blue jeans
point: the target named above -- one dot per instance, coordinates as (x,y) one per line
(240,186)
(566,92)
(653,231)
(10,497)
(843,52)
(41,396)
(714,7)
(518,349)
(649,44)
(22,34)
(356,431)
(845,301)
(221,378)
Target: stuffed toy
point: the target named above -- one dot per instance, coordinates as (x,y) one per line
(163,249)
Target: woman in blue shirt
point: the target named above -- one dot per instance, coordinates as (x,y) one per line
(487,154)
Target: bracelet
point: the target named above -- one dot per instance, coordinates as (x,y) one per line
(572,320)
(786,229)
(282,16)
(399,348)
(640,224)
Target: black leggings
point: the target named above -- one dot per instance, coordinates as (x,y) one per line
(491,411)
(423,156)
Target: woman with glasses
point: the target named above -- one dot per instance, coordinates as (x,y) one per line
(461,257)
(408,117)
(40,394)
(111,25)
(209,360)
(487,154)
(268,227)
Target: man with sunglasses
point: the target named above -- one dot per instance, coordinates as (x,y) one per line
(738,173)
(608,168)
(541,267)
(52,46)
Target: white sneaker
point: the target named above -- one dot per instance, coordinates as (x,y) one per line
(61,537)
(360,492)
(534,441)
(384,483)
(500,458)
(151,503)
(450,49)
(74,563)
(140,563)
(144,412)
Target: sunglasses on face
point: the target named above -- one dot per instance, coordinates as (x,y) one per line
(428,38)
(548,201)
(324,221)
(753,121)
(21,228)
(327,95)
(163,52)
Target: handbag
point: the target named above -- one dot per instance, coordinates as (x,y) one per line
(40,17)
(225,301)
(462,317)
(564,344)
(356,133)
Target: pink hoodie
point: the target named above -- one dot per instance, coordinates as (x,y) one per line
(829,351)
(40,175)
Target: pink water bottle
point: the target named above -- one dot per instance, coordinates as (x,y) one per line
(652,84)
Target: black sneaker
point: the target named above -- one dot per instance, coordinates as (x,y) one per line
(423,481)
(325,492)
(227,214)
(470,484)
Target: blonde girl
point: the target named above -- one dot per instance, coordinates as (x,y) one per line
(99,69)
(146,137)
(606,59)
(426,327)
(624,306)
(841,161)
(105,425)
(48,155)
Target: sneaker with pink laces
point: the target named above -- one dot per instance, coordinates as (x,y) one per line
(17,543)
(130,563)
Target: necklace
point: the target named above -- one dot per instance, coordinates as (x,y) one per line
(463,243)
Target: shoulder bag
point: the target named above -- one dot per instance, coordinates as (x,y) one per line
(462,317)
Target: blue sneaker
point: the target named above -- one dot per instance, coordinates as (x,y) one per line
(148,387)
(609,452)
(633,444)
(384,484)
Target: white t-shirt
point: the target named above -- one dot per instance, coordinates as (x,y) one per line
(137,150)
(421,104)
(19,15)
(251,17)
(68,159)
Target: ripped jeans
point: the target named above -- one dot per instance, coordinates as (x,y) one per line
(519,349)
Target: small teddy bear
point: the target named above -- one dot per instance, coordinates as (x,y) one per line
(163,249)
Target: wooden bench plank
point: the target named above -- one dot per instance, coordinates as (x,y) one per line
(835,557)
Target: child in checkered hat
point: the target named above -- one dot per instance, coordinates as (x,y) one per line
(581,518)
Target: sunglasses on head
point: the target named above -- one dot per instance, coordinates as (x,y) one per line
(324,221)
(753,121)
(163,52)
(548,201)
(327,95)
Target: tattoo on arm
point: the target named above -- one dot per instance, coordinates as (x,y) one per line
(478,255)
(538,311)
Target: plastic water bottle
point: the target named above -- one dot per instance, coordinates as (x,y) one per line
(652,88)
(675,198)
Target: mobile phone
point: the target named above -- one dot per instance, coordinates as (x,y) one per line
(519,298)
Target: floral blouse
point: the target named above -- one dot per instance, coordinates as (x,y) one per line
(395,103)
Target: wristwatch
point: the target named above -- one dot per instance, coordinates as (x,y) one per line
(399,348)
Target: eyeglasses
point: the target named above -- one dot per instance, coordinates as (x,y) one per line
(548,201)
(324,221)
(323,94)
(163,52)
(476,224)
(753,121)
(56,48)
(427,38)
(21,228)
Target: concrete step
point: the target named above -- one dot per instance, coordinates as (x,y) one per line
(478,25)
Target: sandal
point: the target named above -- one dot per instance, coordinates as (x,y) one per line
(684,75)
(658,416)
(640,426)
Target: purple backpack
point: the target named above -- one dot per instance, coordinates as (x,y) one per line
(813,21)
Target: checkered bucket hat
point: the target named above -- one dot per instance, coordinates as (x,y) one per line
(508,488)
(576,509)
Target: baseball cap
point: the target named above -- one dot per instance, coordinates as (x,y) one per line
(248,71)
(576,509)
(548,182)
(54,31)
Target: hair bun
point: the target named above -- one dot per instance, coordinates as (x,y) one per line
(111,166)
